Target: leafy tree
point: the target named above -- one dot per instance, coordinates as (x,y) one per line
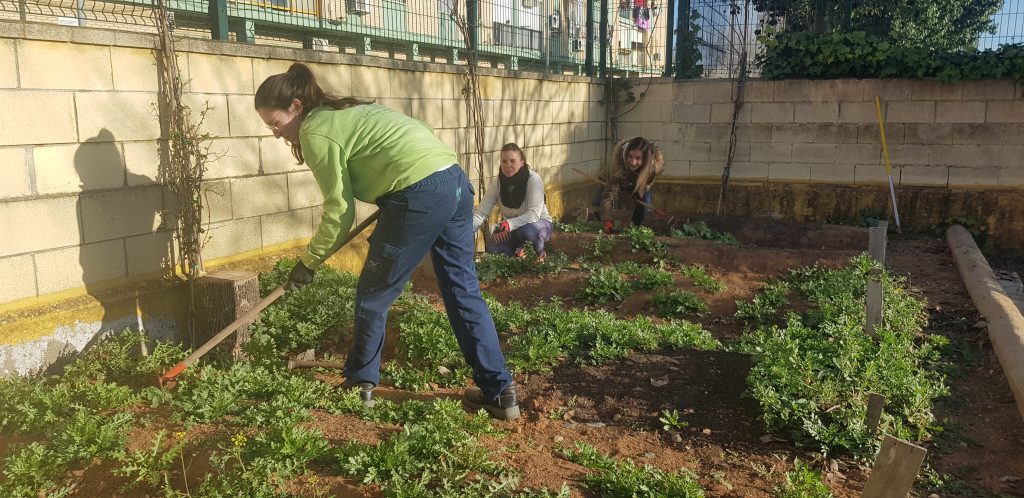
(948,25)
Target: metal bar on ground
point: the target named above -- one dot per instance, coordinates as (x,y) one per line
(298,363)
(888,167)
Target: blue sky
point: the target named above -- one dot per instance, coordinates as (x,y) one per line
(1011,25)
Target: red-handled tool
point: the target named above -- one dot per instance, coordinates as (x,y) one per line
(169,375)
(670,220)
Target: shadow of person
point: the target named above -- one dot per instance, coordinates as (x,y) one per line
(119,215)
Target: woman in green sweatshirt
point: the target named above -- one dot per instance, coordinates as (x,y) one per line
(360,150)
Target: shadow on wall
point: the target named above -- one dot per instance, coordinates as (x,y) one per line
(119,223)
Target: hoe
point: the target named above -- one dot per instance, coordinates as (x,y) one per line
(168,377)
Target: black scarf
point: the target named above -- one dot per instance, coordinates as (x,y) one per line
(513,188)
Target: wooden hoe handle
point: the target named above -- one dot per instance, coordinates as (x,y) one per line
(249,315)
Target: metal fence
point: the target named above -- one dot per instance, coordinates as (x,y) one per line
(540,35)
(729,29)
(726,33)
(612,37)
(1009,26)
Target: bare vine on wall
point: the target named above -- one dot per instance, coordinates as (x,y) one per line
(471,94)
(186,151)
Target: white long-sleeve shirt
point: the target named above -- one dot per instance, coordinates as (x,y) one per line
(533,207)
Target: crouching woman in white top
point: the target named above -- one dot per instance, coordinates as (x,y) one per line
(525,217)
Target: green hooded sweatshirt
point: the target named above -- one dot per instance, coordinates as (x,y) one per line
(365,152)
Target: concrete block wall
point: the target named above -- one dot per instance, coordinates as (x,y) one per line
(967,135)
(80,204)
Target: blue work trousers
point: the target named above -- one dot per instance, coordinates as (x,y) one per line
(436,215)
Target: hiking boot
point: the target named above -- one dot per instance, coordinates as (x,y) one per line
(365,391)
(505,407)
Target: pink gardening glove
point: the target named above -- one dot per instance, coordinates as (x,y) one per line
(501,232)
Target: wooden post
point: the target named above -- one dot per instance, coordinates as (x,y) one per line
(877,241)
(221,298)
(873,303)
(875,403)
(895,469)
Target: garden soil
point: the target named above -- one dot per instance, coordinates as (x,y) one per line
(615,407)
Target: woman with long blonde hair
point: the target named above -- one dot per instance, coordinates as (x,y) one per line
(635,163)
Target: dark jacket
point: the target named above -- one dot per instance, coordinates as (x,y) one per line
(618,177)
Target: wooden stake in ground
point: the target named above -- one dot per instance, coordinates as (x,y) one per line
(875,404)
(895,469)
(877,240)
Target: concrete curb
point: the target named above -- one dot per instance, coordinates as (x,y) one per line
(1005,323)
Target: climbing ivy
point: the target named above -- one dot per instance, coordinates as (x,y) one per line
(860,55)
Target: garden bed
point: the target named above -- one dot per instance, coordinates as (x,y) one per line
(646,358)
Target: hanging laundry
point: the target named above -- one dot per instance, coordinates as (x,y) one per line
(642,17)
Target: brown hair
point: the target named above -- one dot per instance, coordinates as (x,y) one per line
(277,92)
(646,171)
(511,146)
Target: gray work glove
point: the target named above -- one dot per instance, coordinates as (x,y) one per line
(299,277)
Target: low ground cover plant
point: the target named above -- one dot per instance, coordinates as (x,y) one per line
(677,303)
(624,479)
(643,239)
(813,372)
(700,230)
(802,482)
(605,284)
(701,278)
(490,267)
(577,226)
(647,277)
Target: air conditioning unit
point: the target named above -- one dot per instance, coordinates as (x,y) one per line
(555,21)
(530,4)
(320,44)
(332,10)
(359,6)
(578,45)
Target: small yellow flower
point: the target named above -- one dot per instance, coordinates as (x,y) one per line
(239,440)
(179,435)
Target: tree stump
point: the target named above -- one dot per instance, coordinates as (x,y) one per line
(222,298)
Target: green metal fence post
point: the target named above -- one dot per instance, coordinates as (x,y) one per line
(473,19)
(365,45)
(603,61)
(669,42)
(684,41)
(589,64)
(219,19)
(244,29)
